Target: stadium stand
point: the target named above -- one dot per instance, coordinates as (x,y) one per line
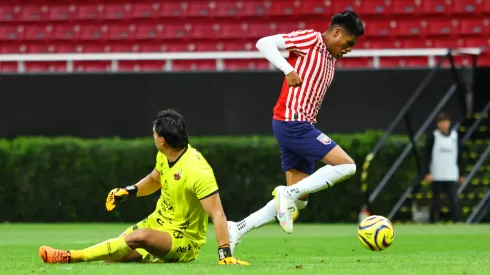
(42,26)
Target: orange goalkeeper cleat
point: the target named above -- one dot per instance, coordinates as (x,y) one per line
(51,256)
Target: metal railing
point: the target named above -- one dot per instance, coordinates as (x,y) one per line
(403,115)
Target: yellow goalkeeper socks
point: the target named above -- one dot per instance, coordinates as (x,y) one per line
(112,249)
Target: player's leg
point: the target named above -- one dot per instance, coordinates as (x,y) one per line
(155,242)
(434,203)
(314,145)
(295,168)
(452,195)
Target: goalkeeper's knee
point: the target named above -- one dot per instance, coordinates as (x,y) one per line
(300,204)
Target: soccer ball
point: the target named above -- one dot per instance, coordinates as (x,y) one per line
(376,233)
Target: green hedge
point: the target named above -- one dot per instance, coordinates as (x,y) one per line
(67,179)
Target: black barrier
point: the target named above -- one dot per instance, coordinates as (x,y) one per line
(101,105)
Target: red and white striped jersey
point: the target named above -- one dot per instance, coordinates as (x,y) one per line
(312,61)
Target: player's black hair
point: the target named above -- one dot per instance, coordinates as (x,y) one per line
(350,21)
(170,125)
(443,116)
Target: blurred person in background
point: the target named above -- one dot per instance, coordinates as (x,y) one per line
(444,167)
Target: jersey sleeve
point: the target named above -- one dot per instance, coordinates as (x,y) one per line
(204,184)
(300,40)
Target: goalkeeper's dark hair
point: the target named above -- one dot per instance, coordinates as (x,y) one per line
(170,125)
(349,21)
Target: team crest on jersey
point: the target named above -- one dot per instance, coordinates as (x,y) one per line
(324,139)
(178,175)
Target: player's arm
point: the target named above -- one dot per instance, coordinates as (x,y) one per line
(214,209)
(299,41)
(149,184)
(270,47)
(205,188)
(146,186)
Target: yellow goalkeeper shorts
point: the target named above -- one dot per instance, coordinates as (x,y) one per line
(183,250)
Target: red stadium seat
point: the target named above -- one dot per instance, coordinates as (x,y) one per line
(403,62)
(477,42)
(120,10)
(9,13)
(92,66)
(379,44)
(65,32)
(146,10)
(89,12)
(33,13)
(315,7)
(443,27)
(407,7)
(11,32)
(253,8)
(342,5)
(38,32)
(124,48)
(173,9)
(246,64)
(61,12)
(93,32)
(8,67)
(240,45)
(226,9)
(475,26)
(205,30)
(13,48)
(201,8)
(37,67)
(418,43)
(152,47)
(258,30)
(233,30)
(411,27)
(141,66)
(94,48)
(177,30)
(448,43)
(374,6)
(41,48)
(123,32)
(285,7)
(194,65)
(149,31)
(181,46)
(67,48)
(468,6)
(351,62)
(436,7)
(375,28)
(205,46)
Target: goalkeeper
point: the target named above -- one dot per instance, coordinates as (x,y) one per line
(176,230)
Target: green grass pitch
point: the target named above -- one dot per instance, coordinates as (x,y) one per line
(311,249)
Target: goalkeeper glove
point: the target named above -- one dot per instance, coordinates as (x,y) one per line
(118,195)
(225,256)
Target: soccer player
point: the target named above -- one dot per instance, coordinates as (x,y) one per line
(176,230)
(308,71)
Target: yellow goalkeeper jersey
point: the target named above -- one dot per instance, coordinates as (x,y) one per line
(184,183)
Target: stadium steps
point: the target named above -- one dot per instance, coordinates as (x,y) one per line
(416,208)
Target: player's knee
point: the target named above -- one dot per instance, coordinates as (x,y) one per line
(138,238)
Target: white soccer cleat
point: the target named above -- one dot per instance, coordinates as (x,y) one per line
(285,209)
(234,236)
